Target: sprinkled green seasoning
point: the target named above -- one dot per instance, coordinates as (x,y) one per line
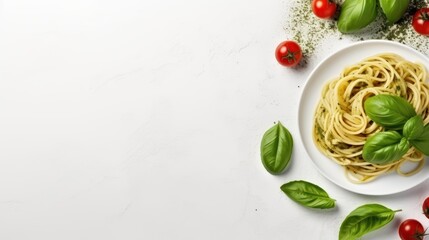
(304,27)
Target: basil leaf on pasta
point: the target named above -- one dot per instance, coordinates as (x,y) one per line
(385,147)
(276,149)
(308,194)
(422,142)
(413,128)
(389,111)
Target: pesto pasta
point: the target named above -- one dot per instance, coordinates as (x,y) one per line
(341,126)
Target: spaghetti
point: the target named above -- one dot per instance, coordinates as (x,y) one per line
(341,126)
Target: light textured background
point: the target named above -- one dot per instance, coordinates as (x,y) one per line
(142,120)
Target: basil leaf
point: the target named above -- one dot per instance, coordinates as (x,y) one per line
(308,194)
(385,147)
(413,128)
(276,149)
(356,14)
(389,111)
(394,9)
(422,142)
(365,219)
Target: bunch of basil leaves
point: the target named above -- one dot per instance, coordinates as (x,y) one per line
(404,128)
(357,14)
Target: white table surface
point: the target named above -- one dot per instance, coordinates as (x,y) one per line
(142,120)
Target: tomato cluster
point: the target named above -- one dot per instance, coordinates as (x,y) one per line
(411,229)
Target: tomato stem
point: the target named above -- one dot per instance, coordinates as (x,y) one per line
(422,235)
(290,56)
(424,16)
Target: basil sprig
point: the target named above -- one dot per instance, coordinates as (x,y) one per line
(398,115)
(308,194)
(365,219)
(276,149)
(356,14)
(394,9)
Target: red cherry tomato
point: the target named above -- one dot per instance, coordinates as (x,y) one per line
(324,8)
(411,229)
(288,53)
(421,21)
(426,207)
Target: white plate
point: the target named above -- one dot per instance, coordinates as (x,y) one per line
(328,69)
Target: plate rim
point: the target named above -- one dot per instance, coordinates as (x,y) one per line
(300,103)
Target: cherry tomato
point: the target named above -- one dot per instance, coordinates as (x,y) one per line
(426,207)
(324,8)
(288,53)
(421,21)
(411,229)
